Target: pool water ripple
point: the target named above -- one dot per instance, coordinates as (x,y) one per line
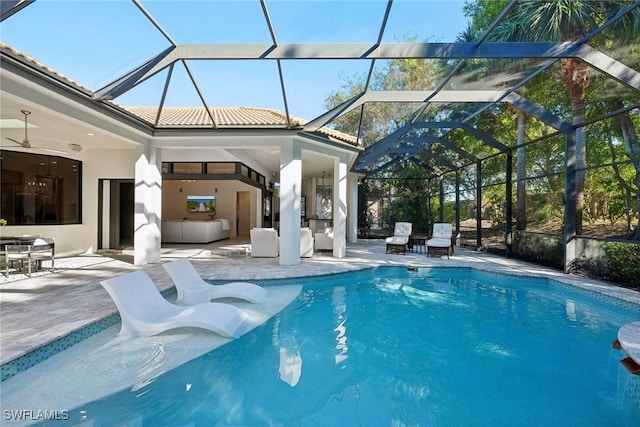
(441,347)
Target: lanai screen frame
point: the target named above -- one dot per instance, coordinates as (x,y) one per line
(369,160)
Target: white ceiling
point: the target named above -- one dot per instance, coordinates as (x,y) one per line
(51,130)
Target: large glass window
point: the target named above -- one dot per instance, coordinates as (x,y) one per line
(192,168)
(324,195)
(169,169)
(40,189)
(221,168)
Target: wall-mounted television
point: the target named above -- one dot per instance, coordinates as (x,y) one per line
(205,204)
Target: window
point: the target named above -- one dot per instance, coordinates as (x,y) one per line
(324,207)
(192,168)
(212,171)
(324,197)
(40,189)
(221,168)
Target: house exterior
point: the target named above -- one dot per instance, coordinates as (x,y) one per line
(157,159)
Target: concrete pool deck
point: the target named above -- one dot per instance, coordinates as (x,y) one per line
(37,311)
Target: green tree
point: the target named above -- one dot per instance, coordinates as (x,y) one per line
(365,216)
(569,20)
(374,121)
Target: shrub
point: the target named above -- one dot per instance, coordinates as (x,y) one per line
(619,264)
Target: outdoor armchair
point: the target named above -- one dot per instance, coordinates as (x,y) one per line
(264,242)
(441,238)
(399,242)
(324,240)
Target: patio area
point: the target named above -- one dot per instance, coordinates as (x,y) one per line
(48,306)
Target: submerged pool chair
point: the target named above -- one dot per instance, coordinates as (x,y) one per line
(441,239)
(144,311)
(399,242)
(192,289)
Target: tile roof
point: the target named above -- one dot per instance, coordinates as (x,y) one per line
(223,116)
(226,117)
(42,67)
(230,118)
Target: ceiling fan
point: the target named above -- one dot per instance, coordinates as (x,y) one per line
(25,142)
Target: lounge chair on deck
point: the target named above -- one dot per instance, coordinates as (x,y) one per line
(144,312)
(399,242)
(192,289)
(441,238)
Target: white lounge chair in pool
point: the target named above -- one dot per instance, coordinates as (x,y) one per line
(192,289)
(144,311)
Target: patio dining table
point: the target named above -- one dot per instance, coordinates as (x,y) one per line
(11,240)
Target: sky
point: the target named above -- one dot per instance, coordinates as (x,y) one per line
(95,42)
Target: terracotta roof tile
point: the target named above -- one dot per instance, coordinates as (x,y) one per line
(229,117)
(25,58)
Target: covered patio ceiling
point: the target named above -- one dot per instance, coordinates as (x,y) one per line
(166,58)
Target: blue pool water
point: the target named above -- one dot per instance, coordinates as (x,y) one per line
(390,347)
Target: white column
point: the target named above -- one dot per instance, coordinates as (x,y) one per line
(148,207)
(290,192)
(352,208)
(339,208)
(256,220)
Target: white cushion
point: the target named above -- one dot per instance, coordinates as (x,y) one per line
(439,243)
(402,229)
(442,230)
(397,240)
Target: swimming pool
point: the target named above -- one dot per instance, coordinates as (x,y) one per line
(386,346)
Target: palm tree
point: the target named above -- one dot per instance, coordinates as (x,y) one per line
(483,14)
(521,173)
(569,20)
